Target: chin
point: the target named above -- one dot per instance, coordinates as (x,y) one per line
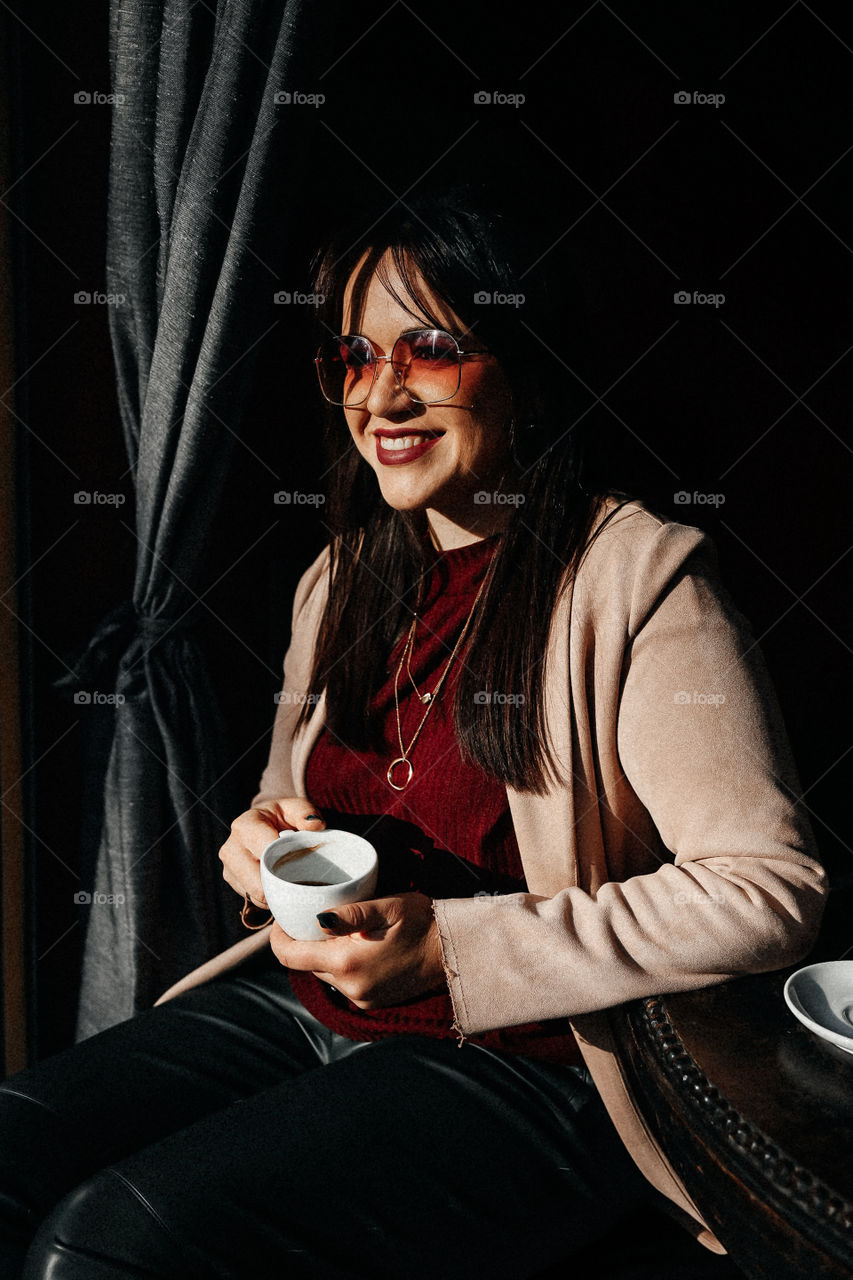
(408,498)
(400,503)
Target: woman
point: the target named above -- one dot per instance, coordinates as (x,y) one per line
(540,706)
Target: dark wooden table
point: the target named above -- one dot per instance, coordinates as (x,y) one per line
(756,1115)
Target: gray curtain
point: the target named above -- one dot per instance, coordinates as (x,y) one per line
(218,195)
(193,168)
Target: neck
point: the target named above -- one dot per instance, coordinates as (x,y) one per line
(447,534)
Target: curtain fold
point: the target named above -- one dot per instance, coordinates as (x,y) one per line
(192,167)
(217,194)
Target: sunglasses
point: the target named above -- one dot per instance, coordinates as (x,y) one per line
(427,365)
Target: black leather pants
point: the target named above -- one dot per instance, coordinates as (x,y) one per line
(227,1133)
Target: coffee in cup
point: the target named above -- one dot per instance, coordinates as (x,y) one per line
(303,872)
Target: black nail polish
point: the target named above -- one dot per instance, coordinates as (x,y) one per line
(328,919)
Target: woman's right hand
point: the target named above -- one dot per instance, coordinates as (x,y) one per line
(253,831)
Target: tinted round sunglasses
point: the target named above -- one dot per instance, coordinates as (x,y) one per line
(427,365)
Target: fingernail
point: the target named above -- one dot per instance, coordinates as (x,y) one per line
(328,919)
(313,817)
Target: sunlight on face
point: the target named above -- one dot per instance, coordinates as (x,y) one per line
(436,457)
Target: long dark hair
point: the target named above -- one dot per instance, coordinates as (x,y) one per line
(461,246)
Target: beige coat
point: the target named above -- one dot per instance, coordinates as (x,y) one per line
(671,855)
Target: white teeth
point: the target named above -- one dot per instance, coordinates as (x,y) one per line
(401,442)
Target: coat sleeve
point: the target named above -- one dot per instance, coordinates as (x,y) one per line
(277,778)
(701,741)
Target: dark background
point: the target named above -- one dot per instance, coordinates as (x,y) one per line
(749,198)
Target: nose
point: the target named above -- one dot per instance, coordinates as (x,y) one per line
(386,396)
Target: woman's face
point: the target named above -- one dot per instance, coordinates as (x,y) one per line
(466,438)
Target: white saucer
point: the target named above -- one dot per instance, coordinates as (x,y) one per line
(821,996)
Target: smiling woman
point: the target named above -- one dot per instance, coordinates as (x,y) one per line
(434,399)
(427,369)
(540,707)
(502,453)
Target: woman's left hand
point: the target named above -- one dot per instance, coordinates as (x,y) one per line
(380,953)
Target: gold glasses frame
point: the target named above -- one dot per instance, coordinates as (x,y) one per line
(375,360)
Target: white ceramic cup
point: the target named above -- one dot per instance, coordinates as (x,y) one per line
(347,864)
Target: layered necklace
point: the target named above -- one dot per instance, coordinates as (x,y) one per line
(426,699)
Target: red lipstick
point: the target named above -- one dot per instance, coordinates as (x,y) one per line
(393,456)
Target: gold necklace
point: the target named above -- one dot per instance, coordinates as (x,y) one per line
(428,698)
(422,697)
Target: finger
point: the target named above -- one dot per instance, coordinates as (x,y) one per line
(259,828)
(236,884)
(255,829)
(330,978)
(241,870)
(297,814)
(358,917)
(231,882)
(294,953)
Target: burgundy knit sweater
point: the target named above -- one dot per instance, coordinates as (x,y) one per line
(449,834)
